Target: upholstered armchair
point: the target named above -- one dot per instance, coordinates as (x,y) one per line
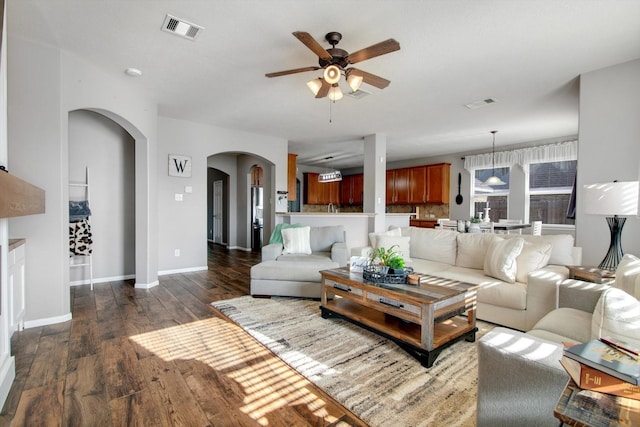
(520,377)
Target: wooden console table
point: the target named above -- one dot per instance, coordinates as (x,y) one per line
(422,319)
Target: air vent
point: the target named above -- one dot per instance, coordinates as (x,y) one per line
(359,94)
(181,28)
(482,103)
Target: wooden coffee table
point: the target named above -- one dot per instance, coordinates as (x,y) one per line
(423,319)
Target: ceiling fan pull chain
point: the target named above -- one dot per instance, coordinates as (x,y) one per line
(330,110)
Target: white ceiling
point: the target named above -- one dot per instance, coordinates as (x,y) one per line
(526,54)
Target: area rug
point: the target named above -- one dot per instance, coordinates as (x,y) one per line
(368,374)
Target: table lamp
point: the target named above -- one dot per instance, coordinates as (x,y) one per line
(615,200)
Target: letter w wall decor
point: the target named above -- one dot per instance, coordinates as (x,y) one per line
(179,166)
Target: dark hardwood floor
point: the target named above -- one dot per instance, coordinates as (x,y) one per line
(160,357)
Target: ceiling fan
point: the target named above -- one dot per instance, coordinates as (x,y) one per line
(336,61)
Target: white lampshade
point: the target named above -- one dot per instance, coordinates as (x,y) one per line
(335,94)
(315,85)
(611,198)
(332,74)
(494,180)
(354,81)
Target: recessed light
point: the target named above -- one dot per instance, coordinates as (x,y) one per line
(133,72)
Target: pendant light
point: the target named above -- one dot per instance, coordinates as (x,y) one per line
(493,179)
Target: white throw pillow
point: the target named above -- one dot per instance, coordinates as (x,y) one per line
(500,261)
(373,237)
(532,257)
(628,275)
(472,248)
(296,240)
(401,242)
(617,315)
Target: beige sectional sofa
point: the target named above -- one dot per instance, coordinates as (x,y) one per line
(516,291)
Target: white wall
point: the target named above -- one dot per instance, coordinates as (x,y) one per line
(609,149)
(108,151)
(183,225)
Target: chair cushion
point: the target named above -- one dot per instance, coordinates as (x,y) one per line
(533,257)
(628,275)
(296,240)
(617,314)
(500,261)
(472,249)
(566,323)
(276,234)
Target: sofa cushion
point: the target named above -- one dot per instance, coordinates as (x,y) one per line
(431,244)
(322,238)
(533,257)
(314,257)
(424,266)
(628,275)
(276,235)
(617,314)
(566,324)
(391,232)
(296,240)
(561,246)
(492,291)
(303,271)
(472,248)
(500,261)
(401,244)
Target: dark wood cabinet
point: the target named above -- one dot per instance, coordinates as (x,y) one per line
(423,223)
(317,193)
(420,184)
(291,177)
(438,183)
(398,186)
(351,189)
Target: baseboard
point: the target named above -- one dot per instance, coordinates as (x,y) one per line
(146,285)
(182,270)
(102,280)
(7,375)
(47,321)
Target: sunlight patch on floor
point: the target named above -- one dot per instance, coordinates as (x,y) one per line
(268,383)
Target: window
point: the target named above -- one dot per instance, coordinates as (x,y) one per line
(496,196)
(550,186)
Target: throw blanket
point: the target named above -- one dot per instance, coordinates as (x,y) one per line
(78,210)
(80,238)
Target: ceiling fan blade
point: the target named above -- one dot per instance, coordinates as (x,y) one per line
(324,89)
(371,79)
(377,49)
(312,44)
(294,71)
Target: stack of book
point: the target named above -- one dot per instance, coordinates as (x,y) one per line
(607,365)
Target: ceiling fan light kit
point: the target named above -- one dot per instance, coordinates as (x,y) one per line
(334,61)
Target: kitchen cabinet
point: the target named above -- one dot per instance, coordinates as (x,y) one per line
(423,223)
(351,189)
(256,177)
(317,193)
(438,183)
(291,177)
(417,185)
(398,186)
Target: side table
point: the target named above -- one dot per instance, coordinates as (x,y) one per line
(586,408)
(591,274)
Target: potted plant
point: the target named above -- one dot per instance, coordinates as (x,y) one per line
(474,226)
(389,258)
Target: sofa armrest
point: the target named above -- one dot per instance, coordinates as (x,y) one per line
(542,292)
(340,254)
(520,379)
(271,251)
(580,295)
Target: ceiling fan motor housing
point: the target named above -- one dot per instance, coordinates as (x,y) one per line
(338,56)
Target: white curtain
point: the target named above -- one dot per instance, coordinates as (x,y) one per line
(545,153)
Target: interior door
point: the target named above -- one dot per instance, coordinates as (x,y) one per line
(217,212)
